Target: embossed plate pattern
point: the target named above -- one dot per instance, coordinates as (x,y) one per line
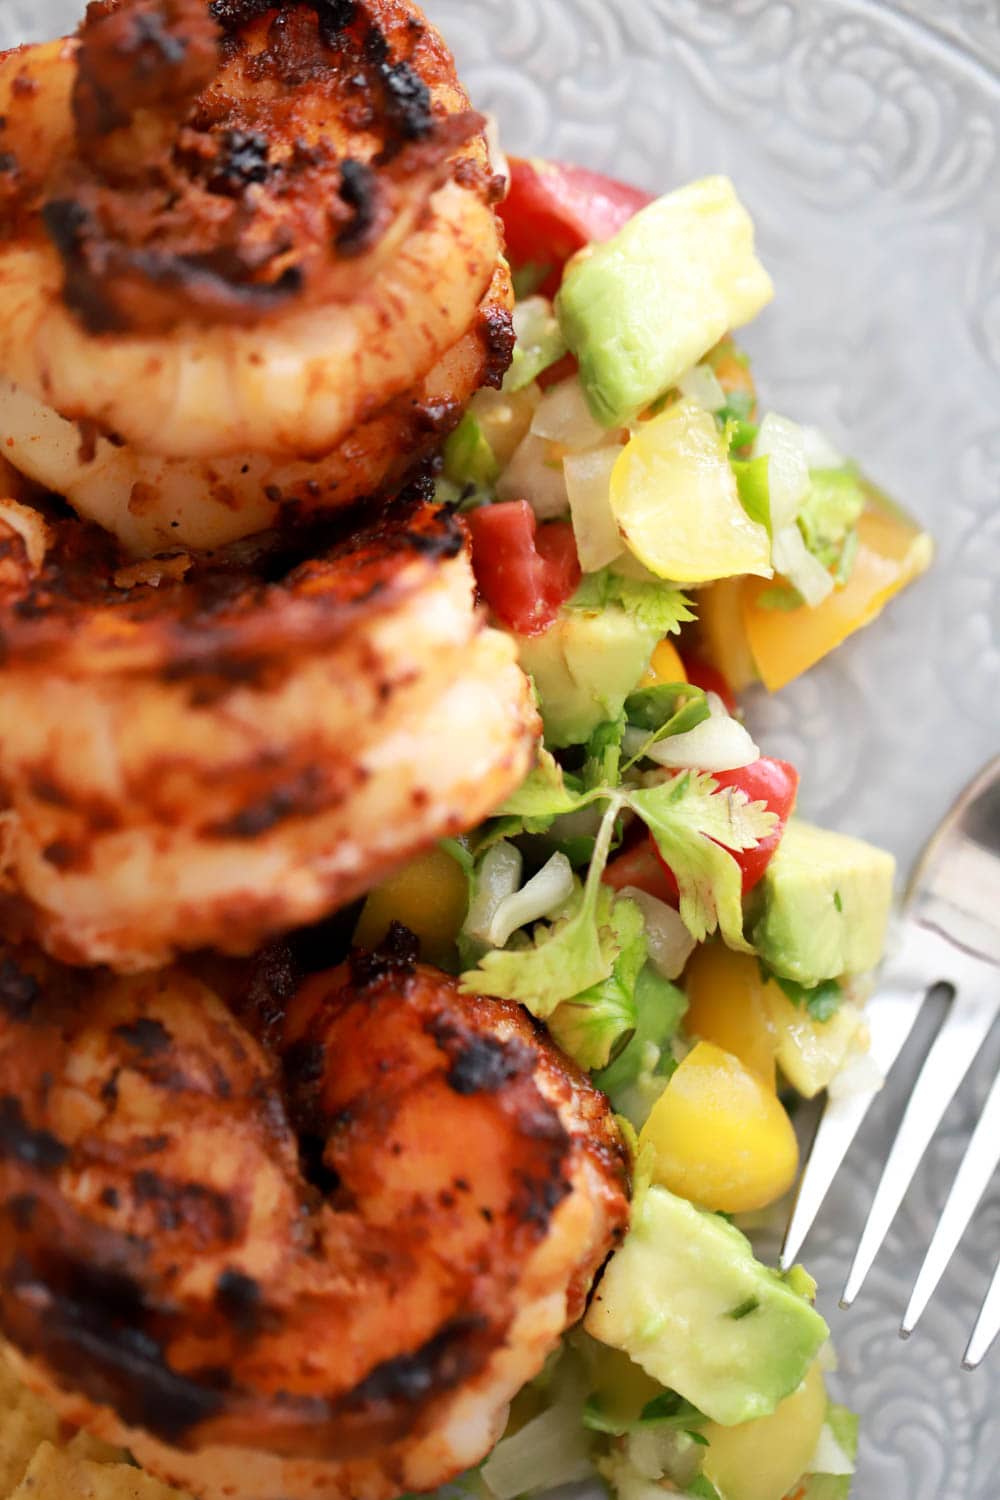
(866,139)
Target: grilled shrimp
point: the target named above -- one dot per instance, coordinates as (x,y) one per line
(202,758)
(155,504)
(238,228)
(313,1251)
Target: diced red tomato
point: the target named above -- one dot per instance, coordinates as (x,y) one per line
(772,781)
(642,867)
(709,679)
(525,572)
(553,210)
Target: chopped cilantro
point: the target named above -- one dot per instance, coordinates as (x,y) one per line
(822,1001)
(661,606)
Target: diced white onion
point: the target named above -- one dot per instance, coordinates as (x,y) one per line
(719,743)
(820,452)
(669,943)
(788,469)
(588,485)
(792,558)
(563,416)
(830,1457)
(533,474)
(543,895)
(859,1075)
(701,385)
(498,877)
(549,1451)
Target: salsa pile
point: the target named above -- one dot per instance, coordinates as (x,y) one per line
(656,542)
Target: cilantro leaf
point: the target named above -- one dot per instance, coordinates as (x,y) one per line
(604,751)
(667,709)
(636,1078)
(697,826)
(566,957)
(660,606)
(829,516)
(655,707)
(821,1001)
(543,796)
(701,1488)
(594,1023)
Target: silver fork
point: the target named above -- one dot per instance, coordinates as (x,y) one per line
(950,934)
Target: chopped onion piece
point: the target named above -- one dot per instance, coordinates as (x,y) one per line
(859,1075)
(830,1457)
(497,878)
(543,895)
(535,475)
(792,558)
(788,469)
(670,945)
(550,1450)
(820,452)
(588,485)
(563,416)
(719,743)
(701,385)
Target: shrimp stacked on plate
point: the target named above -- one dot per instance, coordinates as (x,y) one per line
(278,1228)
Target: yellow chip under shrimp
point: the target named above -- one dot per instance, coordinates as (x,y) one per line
(26,1421)
(57,1475)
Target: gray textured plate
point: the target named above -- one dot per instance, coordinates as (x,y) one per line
(865,139)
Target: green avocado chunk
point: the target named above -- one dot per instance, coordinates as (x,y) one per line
(585,666)
(822,909)
(644,307)
(685,1299)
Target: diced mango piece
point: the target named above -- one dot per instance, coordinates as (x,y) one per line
(723,634)
(892,551)
(719,1135)
(429,896)
(726,1005)
(665,666)
(762,1460)
(675,499)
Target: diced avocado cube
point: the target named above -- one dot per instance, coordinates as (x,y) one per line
(584,667)
(675,1296)
(822,909)
(644,307)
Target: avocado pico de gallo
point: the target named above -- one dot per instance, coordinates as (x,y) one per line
(656,541)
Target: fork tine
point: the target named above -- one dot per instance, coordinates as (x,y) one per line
(891,1016)
(956,1044)
(987,1326)
(978,1165)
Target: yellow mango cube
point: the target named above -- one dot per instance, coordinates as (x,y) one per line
(665,666)
(719,1135)
(761,1460)
(727,1006)
(675,500)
